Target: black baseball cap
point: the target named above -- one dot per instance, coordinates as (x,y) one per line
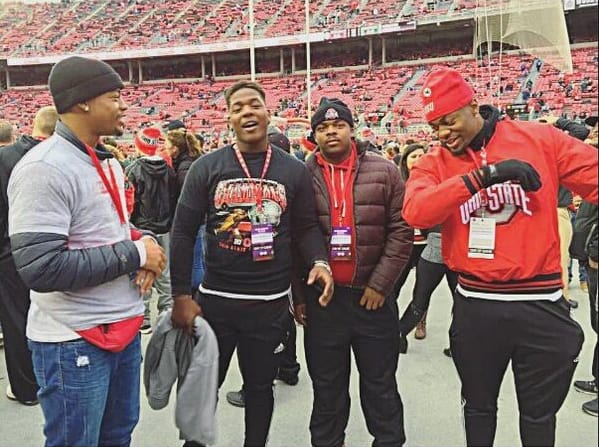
(280,140)
(175,124)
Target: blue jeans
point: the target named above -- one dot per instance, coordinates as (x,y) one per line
(89,396)
(197,274)
(162,284)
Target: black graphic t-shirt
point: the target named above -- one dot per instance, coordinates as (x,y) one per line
(237,209)
(218,192)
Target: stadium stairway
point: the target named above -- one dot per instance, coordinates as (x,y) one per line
(261,27)
(64,41)
(404,90)
(118,14)
(136,26)
(533,74)
(208,17)
(408,9)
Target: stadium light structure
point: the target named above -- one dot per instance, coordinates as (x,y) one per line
(253,51)
(308,84)
(252,43)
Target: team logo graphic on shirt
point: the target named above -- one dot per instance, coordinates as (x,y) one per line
(237,210)
(501,202)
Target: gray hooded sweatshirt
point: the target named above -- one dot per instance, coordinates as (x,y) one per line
(172,356)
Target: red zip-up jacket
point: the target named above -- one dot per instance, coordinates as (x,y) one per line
(527,256)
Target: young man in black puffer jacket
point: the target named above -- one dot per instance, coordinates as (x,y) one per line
(14,294)
(585,248)
(155,199)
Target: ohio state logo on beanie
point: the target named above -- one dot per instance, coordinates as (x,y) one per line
(331,109)
(331,114)
(146,140)
(444,91)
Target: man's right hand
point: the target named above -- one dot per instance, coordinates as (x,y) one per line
(155,257)
(299,313)
(185,310)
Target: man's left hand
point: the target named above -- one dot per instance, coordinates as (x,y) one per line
(145,280)
(322,275)
(371,299)
(593,264)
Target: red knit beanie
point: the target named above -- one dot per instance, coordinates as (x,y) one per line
(444,91)
(146,140)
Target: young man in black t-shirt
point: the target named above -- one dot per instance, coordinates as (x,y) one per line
(256,201)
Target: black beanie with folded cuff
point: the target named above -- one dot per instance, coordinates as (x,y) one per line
(331,109)
(77,79)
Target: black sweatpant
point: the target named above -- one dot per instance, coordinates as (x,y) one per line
(428,276)
(373,336)
(289,365)
(14,305)
(540,339)
(412,261)
(258,329)
(592,282)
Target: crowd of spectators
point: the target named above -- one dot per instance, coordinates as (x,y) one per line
(101,25)
(383,98)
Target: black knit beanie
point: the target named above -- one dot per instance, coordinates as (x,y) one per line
(76,79)
(331,109)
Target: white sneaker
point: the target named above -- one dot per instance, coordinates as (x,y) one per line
(9,393)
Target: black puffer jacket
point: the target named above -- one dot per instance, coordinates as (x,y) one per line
(383,238)
(584,237)
(9,157)
(156,193)
(592,246)
(181,165)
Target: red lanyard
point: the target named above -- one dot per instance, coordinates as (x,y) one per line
(329,174)
(483,156)
(258,192)
(112,187)
(482,192)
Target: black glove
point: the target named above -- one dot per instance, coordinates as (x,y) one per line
(516,170)
(403,343)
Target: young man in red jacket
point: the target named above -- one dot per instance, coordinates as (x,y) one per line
(359,197)
(492,187)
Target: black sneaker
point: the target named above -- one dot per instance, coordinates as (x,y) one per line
(236,398)
(12,397)
(290,379)
(447,352)
(587,387)
(146,328)
(193,444)
(590,407)
(573,303)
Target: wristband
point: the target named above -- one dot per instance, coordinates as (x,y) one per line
(323,264)
(493,172)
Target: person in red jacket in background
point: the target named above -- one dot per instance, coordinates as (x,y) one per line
(492,187)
